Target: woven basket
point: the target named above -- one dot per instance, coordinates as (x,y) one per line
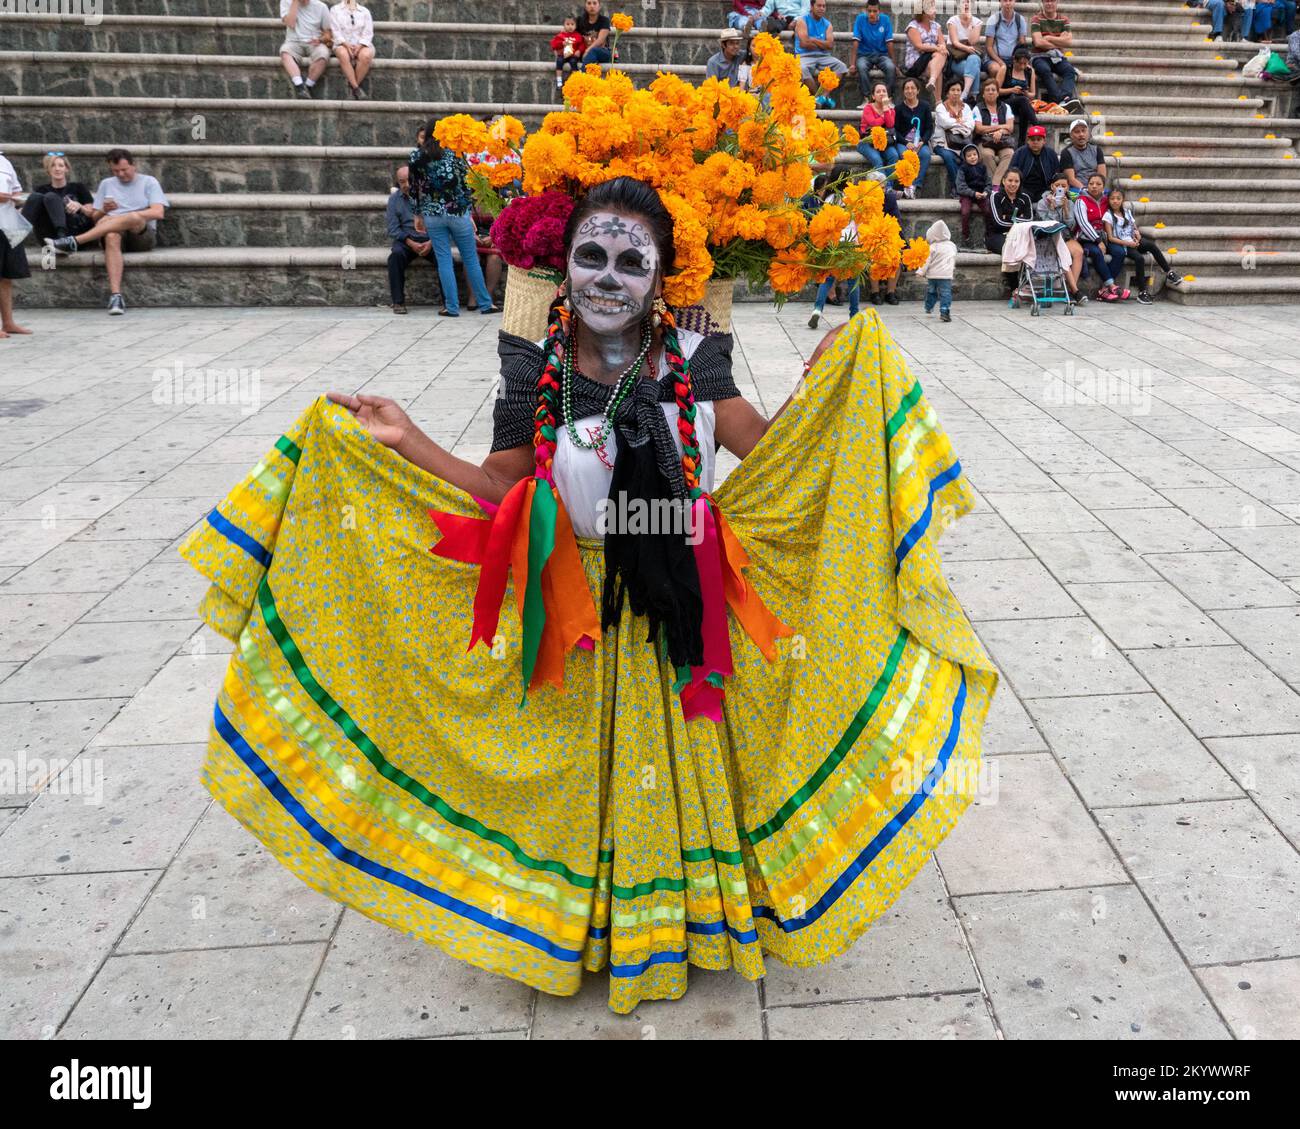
(529,295)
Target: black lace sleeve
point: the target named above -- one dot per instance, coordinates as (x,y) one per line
(516,402)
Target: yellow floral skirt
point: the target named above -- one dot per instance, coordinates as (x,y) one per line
(594,829)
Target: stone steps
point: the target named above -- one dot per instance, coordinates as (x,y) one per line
(1189,147)
(1151,164)
(1251,287)
(1195,189)
(1237,240)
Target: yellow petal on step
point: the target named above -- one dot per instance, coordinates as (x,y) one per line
(1270,137)
(1111,133)
(1189,278)
(1171,250)
(1288,156)
(1117,154)
(1160,223)
(1260,116)
(1085,94)
(1144,199)
(1135,176)
(1219,58)
(1069,54)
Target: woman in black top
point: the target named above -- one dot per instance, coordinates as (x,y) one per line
(1019,89)
(594,26)
(61,206)
(913,128)
(1010,204)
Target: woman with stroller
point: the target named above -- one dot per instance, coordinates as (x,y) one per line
(1010,204)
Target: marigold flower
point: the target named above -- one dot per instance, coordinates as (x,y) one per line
(828,225)
(827,79)
(916,254)
(621,22)
(907,168)
(788,274)
(879,138)
(461,134)
(851,136)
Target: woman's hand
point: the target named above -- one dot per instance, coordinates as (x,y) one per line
(383,418)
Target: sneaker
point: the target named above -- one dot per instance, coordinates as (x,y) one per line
(891,298)
(944,315)
(929,310)
(812,321)
(490,310)
(302,92)
(1144,297)
(363,91)
(398,308)
(1081,299)
(116,306)
(1173,278)
(65,246)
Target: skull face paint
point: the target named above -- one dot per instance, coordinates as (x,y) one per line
(613,265)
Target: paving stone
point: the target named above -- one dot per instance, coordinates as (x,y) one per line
(1221,877)
(1271,635)
(1043,513)
(915,948)
(1088,558)
(717,1005)
(1108,491)
(223,890)
(75,501)
(960,1016)
(1029,832)
(24,542)
(111,809)
(1222,580)
(1126,749)
(378,983)
(70,568)
(1276,551)
(148,517)
(1008,729)
(39,739)
(174,706)
(248,993)
(1219,691)
(1008,589)
(97,660)
(1058,657)
(1160,530)
(1257,999)
(44,977)
(981,537)
(1269,769)
(1150,614)
(1225,507)
(30,621)
(1084,964)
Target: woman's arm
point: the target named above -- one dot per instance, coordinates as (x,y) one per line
(388,423)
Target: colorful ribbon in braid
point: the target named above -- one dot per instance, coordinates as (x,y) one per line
(546,418)
(680,369)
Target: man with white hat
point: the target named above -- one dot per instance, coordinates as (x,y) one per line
(728,63)
(1081,158)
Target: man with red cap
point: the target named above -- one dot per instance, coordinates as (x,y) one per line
(1036,161)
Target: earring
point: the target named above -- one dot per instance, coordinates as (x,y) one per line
(660,307)
(563,293)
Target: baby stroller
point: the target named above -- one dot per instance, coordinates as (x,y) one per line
(1042,283)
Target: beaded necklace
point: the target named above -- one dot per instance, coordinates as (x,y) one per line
(617,394)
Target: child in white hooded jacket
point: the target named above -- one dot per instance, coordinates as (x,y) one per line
(938,269)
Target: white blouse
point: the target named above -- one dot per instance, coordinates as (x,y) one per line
(583,476)
(353,26)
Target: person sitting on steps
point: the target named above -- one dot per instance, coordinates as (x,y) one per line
(353,31)
(126,209)
(306,42)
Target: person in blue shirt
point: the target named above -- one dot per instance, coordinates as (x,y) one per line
(873,48)
(777,16)
(814,44)
(409,243)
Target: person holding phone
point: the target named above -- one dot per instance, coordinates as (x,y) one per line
(13,259)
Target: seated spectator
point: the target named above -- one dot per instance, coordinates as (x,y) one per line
(1037,164)
(995,126)
(1218,10)
(1009,204)
(1262,26)
(1055,205)
(1019,87)
(1006,30)
(569,47)
(913,129)
(814,44)
(878,114)
(125,209)
(965,40)
(13,259)
(973,191)
(410,240)
(594,27)
(777,16)
(353,32)
(1122,231)
(873,48)
(60,206)
(306,42)
(726,64)
(926,52)
(954,129)
(1081,158)
(1107,261)
(744,15)
(1051,38)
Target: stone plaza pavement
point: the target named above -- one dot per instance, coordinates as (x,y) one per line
(1130,870)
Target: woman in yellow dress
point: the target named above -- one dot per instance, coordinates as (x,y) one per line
(731,731)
